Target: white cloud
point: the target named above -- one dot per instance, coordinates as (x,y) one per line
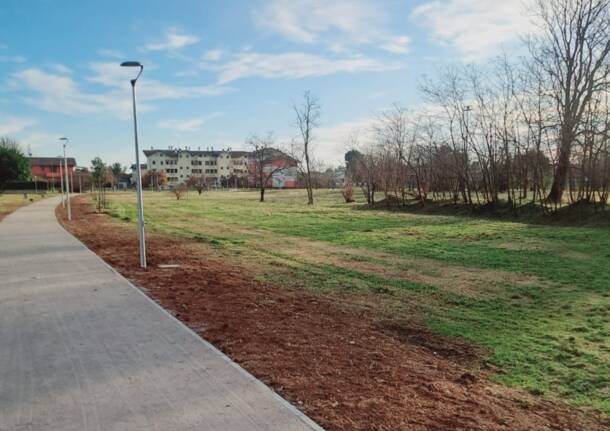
(306,20)
(212,55)
(60,68)
(10,125)
(397,45)
(293,65)
(61,93)
(476,28)
(38,140)
(111,75)
(110,53)
(174,39)
(331,143)
(338,24)
(188,124)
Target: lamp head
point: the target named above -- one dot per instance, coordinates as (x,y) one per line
(133,64)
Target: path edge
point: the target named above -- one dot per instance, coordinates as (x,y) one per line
(290,407)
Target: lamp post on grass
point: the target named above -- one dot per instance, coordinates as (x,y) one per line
(138,171)
(67,182)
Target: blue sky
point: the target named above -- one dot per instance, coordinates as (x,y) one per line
(217,71)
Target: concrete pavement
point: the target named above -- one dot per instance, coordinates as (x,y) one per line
(82,349)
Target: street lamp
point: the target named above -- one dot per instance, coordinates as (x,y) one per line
(138,171)
(61,182)
(65,140)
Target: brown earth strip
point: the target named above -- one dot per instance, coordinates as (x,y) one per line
(335,360)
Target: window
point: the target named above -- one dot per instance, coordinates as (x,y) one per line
(154,163)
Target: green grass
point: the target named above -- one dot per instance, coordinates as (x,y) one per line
(541,305)
(9,202)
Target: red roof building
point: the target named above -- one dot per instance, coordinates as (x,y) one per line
(50,168)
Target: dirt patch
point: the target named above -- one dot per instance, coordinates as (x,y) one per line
(335,361)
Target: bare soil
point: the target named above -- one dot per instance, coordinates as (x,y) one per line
(335,359)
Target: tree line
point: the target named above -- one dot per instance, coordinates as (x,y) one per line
(530,131)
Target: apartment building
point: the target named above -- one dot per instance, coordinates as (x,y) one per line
(180,164)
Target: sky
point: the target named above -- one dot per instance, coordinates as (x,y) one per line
(218,71)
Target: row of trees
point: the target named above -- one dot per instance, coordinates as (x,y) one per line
(532,131)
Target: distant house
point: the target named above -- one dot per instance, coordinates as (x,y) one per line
(123,181)
(134,172)
(49,169)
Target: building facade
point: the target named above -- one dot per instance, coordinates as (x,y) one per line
(50,169)
(216,167)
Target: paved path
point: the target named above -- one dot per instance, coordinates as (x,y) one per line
(82,349)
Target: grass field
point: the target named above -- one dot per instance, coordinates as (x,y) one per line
(537,297)
(9,202)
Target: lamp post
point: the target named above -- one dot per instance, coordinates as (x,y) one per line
(138,171)
(61,182)
(67,182)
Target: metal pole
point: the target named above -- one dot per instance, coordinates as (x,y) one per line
(61,182)
(138,180)
(67,184)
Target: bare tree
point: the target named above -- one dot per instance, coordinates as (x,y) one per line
(307,119)
(198,182)
(179,190)
(573,52)
(266,161)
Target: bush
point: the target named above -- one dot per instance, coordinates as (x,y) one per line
(26,185)
(13,164)
(348,192)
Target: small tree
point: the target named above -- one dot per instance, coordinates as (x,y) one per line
(198,182)
(13,163)
(179,190)
(99,176)
(117,170)
(307,119)
(266,161)
(154,179)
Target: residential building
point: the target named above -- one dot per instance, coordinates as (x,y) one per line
(217,167)
(49,169)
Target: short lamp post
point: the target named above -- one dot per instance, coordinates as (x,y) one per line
(67,182)
(138,170)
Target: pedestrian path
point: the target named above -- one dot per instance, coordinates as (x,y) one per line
(82,349)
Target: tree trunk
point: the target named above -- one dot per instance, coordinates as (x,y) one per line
(262,194)
(563,166)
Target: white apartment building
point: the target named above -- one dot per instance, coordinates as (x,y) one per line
(181,164)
